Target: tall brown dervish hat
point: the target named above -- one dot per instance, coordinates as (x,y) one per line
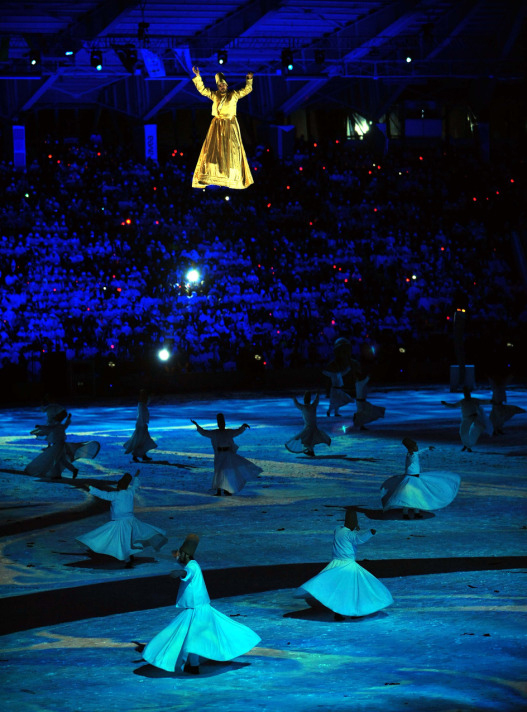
(410,444)
(125,480)
(351,521)
(190,544)
(220,77)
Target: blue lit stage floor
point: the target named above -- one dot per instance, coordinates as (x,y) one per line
(454,639)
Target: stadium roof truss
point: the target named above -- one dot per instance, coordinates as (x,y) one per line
(361,54)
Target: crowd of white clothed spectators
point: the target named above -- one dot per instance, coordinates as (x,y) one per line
(95,248)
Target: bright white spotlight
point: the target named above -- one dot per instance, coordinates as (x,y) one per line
(163,354)
(408,59)
(193,276)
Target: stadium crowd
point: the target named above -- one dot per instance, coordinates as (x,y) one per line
(96,248)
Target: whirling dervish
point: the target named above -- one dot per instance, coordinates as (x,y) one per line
(198,629)
(501,410)
(231,471)
(124,535)
(311,435)
(415,491)
(345,587)
(59,455)
(366,412)
(141,442)
(474,421)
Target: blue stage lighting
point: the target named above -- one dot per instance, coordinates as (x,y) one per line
(96,59)
(287,59)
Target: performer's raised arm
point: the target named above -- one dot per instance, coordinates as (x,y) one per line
(198,83)
(247,89)
(201,430)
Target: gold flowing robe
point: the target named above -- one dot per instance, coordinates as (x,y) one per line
(222,160)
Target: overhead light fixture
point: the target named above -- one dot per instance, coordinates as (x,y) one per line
(142,31)
(128,56)
(34,58)
(222,57)
(287,59)
(408,59)
(96,59)
(320,56)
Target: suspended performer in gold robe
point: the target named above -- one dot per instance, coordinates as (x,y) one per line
(222,160)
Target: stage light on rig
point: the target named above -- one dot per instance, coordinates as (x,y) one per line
(287,59)
(222,57)
(34,58)
(96,59)
(142,31)
(163,354)
(408,59)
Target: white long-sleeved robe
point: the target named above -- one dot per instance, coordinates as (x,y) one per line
(231,471)
(474,421)
(337,395)
(198,629)
(60,454)
(416,490)
(140,442)
(124,534)
(344,586)
(366,411)
(311,434)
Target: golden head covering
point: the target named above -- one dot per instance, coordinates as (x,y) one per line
(220,77)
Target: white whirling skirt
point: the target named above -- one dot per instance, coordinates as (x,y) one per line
(346,588)
(140,442)
(203,631)
(308,438)
(52,461)
(431,490)
(502,412)
(232,471)
(121,538)
(367,413)
(339,398)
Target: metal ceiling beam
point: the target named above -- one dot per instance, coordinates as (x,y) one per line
(453,25)
(515,19)
(232,25)
(301,95)
(168,97)
(375,26)
(481,92)
(380,26)
(43,88)
(92,23)
(441,28)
